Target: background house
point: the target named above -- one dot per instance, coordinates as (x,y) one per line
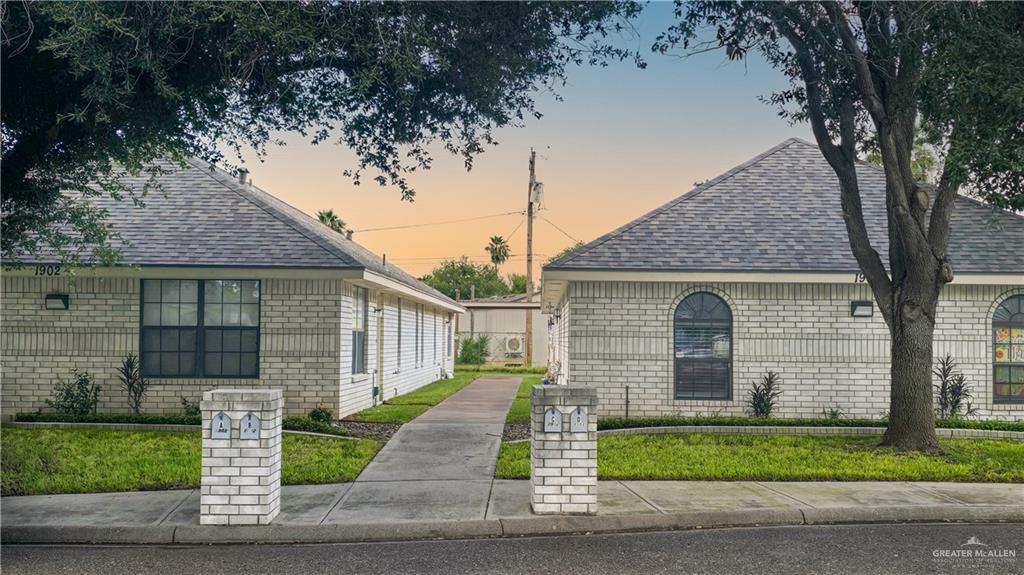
(503,320)
(681,309)
(223,285)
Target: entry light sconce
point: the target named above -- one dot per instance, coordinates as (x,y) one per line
(862,308)
(58,301)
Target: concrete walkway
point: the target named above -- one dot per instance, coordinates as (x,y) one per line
(440,465)
(312,512)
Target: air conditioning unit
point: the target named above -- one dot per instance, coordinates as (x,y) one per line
(514,345)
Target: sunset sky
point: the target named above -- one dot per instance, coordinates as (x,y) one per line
(622,142)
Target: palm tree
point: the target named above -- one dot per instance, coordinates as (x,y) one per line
(498,248)
(331,220)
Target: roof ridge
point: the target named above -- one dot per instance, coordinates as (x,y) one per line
(697,190)
(218,175)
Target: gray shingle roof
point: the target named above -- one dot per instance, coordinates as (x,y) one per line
(202,216)
(780,212)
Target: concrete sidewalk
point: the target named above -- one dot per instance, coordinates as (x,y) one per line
(309,514)
(440,466)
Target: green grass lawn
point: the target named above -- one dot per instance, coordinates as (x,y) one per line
(39,461)
(697,456)
(500,369)
(405,408)
(519,412)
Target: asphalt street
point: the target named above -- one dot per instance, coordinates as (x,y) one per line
(819,550)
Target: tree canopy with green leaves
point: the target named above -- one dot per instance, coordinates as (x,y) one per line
(469,279)
(870,76)
(93,88)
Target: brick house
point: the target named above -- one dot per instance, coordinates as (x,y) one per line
(751,271)
(224,285)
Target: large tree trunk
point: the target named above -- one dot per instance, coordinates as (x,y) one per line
(911,416)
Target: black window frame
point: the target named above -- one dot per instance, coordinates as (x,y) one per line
(1013,320)
(703,390)
(360,361)
(199,364)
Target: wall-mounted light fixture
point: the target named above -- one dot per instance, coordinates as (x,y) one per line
(58,301)
(558,315)
(862,308)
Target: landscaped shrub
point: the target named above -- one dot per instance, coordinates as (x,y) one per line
(134,385)
(725,420)
(321,414)
(953,393)
(190,408)
(833,413)
(80,396)
(474,350)
(762,396)
(301,423)
(109,418)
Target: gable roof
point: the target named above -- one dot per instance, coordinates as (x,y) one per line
(202,216)
(780,212)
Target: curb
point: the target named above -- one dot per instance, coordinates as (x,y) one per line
(819,431)
(507,527)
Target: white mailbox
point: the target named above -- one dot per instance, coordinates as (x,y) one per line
(250,426)
(552,421)
(578,420)
(220,426)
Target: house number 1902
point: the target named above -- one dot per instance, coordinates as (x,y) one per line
(51,270)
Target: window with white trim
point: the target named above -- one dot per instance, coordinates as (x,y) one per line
(1008,351)
(360,323)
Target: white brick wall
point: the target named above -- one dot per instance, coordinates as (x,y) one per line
(563,464)
(620,333)
(305,345)
(241,478)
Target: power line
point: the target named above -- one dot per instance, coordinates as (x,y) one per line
(436,223)
(516,229)
(559,229)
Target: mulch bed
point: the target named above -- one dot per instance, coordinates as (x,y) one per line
(515,431)
(367,429)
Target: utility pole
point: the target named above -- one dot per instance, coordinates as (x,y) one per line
(529,258)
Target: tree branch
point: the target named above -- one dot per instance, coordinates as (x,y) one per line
(842,158)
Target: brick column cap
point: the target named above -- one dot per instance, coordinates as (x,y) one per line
(230,395)
(563,395)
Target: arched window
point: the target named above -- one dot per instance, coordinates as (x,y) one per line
(1008,350)
(703,347)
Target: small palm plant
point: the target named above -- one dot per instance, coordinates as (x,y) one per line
(762,396)
(134,385)
(953,392)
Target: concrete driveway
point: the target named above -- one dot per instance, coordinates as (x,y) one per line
(439,466)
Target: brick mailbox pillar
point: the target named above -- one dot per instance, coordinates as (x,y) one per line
(241,477)
(563,451)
